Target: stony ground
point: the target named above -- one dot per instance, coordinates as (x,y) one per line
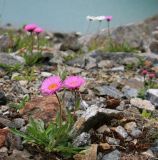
(114,119)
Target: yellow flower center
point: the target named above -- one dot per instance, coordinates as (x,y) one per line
(52,86)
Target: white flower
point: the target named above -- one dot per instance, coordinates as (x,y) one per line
(100,18)
(91,18)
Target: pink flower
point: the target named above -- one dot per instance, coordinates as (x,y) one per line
(151,75)
(38,30)
(30,27)
(144,72)
(73,82)
(51,85)
(108,18)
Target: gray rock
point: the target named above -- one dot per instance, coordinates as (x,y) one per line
(154,148)
(114,155)
(3,99)
(4,108)
(155,35)
(103,129)
(19,122)
(130,92)
(152,96)
(82,140)
(6,123)
(9,59)
(109,91)
(106,64)
(113,141)
(142,104)
(154,46)
(121,132)
(90,63)
(5,43)
(135,132)
(118,69)
(130,60)
(94,117)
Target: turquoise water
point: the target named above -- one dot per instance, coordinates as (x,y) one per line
(70,15)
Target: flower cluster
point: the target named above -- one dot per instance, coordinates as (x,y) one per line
(99,18)
(54,83)
(146,73)
(33,28)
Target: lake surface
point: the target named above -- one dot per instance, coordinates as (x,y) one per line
(70,15)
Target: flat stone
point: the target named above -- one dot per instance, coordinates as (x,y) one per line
(114,155)
(130,92)
(46,74)
(19,122)
(6,122)
(44,108)
(118,69)
(142,104)
(93,117)
(109,91)
(152,96)
(106,64)
(154,46)
(113,141)
(121,132)
(82,140)
(104,146)
(103,129)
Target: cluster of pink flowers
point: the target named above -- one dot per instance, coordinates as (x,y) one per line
(33,28)
(151,75)
(54,83)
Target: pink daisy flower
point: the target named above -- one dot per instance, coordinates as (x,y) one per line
(38,30)
(73,82)
(30,27)
(152,75)
(108,18)
(51,85)
(144,72)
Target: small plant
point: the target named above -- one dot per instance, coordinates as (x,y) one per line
(21,104)
(146,114)
(10,68)
(142,93)
(51,138)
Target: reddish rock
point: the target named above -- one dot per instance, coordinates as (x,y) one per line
(44,108)
(3,136)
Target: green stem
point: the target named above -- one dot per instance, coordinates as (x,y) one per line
(60,109)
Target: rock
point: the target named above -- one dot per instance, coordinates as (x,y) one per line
(114,155)
(4,122)
(90,63)
(148,153)
(104,146)
(3,150)
(106,64)
(152,96)
(89,154)
(23,82)
(132,83)
(130,92)
(94,117)
(46,74)
(9,59)
(103,129)
(19,122)
(131,60)
(5,43)
(82,140)
(154,46)
(70,43)
(113,141)
(14,75)
(19,155)
(121,132)
(142,104)
(118,69)
(74,70)
(132,129)
(3,99)
(4,108)
(154,148)
(155,35)
(44,108)
(3,136)
(109,91)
